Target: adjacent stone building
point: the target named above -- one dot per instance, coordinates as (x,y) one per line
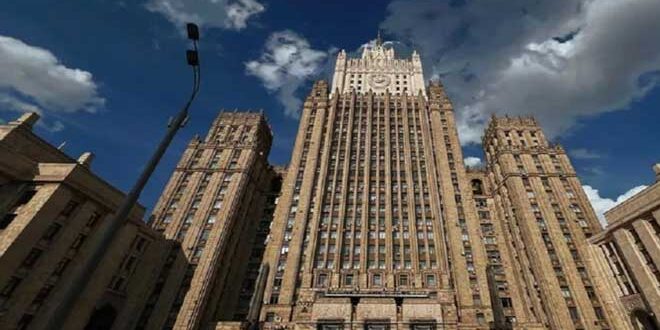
(629,250)
(218,206)
(52,210)
(545,220)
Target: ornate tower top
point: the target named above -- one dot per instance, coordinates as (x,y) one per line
(378,70)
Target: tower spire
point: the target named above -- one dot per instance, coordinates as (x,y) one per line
(379,40)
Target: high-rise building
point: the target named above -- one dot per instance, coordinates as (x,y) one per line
(630,251)
(218,205)
(53,210)
(376,226)
(545,219)
(379,225)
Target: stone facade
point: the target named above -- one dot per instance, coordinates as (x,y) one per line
(546,220)
(218,206)
(52,210)
(380,225)
(375,224)
(508,300)
(378,71)
(629,250)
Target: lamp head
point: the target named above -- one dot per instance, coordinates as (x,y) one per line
(193,31)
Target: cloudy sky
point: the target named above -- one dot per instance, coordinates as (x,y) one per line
(106,74)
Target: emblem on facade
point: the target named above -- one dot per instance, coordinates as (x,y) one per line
(379,80)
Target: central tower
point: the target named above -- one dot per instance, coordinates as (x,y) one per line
(378,71)
(376,226)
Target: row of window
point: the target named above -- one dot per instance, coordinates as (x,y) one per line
(333,201)
(374,280)
(557,263)
(48,237)
(234,133)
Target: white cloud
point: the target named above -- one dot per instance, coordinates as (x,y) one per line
(32,79)
(559,60)
(287,63)
(227,14)
(472,161)
(13,104)
(602,204)
(582,153)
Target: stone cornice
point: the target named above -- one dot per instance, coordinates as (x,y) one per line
(81,179)
(643,202)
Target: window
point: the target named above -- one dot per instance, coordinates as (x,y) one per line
(211,218)
(9,288)
(78,242)
(348,279)
(51,231)
(376,280)
(599,313)
(41,296)
(377,326)
(430,281)
(140,243)
(117,283)
(565,292)
(95,218)
(480,318)
(422,326)
(198,252)
(403,280)
(69,208)
(189,218)
(322,280)
(330,326)
(32,257)
(167,218)
(574,313)
(205,235)
(61,266)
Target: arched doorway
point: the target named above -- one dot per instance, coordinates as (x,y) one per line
(102,318)
(642,320)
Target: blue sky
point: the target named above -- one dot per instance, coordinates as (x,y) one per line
(106,74)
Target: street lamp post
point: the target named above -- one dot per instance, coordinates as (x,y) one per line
(81,277)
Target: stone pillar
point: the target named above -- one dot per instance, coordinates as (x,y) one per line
(639,270)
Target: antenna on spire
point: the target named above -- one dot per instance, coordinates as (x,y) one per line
(379,40)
